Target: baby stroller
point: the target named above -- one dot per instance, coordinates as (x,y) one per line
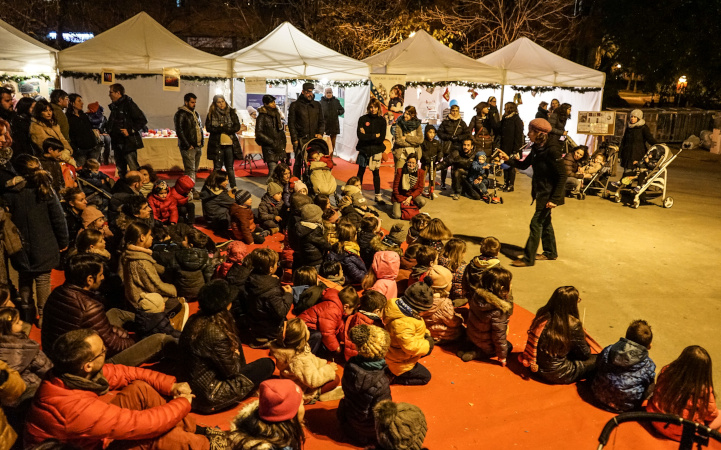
(600,179)
(655,178)
(492,180)
(317,174)
(693,433)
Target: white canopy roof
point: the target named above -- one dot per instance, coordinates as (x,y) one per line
(288,53)
(140,45)
(526,63)
(422,58)
(21,53)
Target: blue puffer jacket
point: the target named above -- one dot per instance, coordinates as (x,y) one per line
(623,372)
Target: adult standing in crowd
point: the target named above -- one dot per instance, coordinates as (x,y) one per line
(512,140)
(554,104)
(124,126)
(270,134)
(542,112)
(6,104)
(59,100)
(408,137)
(408,186)
(558,119)
(44,126)
(223,124)
(371,133)
(547,190)
(453,131)
(82,137)
(189,130)
(100,126)
(635,139)
(305,122)
(481,127)
(20,128)
(332,110)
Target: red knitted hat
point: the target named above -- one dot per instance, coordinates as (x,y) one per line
(279,400)
(541,125)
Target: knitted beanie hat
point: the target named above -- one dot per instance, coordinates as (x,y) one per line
(160,186)
(214,297)
(274,188)
(151,303)
(241,196)
(371,341)
(298,201)
(400,426)
(540,125)
(237,251)
(441,277)
(637,113)
(299,186)
(419,296)
(311,213)
(279,400)
(90,215)
(27,88)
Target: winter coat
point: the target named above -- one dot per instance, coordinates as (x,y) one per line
(332,109)
(488,322)
(558,126)
(236,276)
(326,316)
(359,318)
(214,129)
(73,221)
(81,135)
(164,210)
(99,180)
(399,193)
(370,243)
(442,321)
(571,166)
(216,205)
(475,268)
(454,131)
(52,166)
(623,373)
(11,391)
(242,223)
(564,369)
(82,419)
(62,120)
(404,272)
(24,355)
(141,274)
(311,247)
(213,367)
(305,120)
(511,134)
(408,342)
(309,297)
(149,323)
(365,384)
(194,269)
(125,114)
(368,143)
(549,174)
(386,266)
(42,227)
(482,130)
(268,209)
(270,134)
(633,144)
(267,305)
(349,258)
(542,113)
(457,283)
(674,431)
(181,189)
(307,370)
(431,151)
(407,143)
(20,132)
(69,308)
(187,126)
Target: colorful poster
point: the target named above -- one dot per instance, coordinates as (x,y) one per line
(107,76)
(171,80)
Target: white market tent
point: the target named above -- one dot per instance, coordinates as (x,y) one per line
(23,54)
(525,63)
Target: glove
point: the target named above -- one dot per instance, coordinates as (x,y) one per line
(430,344)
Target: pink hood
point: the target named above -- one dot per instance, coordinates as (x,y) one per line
(386,265)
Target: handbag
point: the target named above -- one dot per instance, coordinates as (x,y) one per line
(409,211)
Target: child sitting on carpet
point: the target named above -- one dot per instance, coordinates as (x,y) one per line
(418,223)
(410,340)
(444,324)
(347,252)
(325,319)
(242,222)
(425,258)
(269,209)
(491,306)
(488,258)
(182,193)
(194,265)
(234,269)
(434,234)
(150,317)
(364,383)
(372,304)
(371,239)
(624,371)
(399,425)
(408,262)
(383,274)
(353,190)
(307,290)
(310,244)
(316,377)
(453,259)
(332,271)
(164,205)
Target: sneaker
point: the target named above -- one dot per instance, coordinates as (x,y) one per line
(335,394)
(509,188)
(379,199)
(455,196)
(178,320)
(435,195)
(616,184)
(444,186)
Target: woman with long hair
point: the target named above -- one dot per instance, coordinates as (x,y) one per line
(371,133)
(512,140)
(556,348)
(44,125)
(222,123)
(558,120)
(482,127)
(81,134)
(216,200)
(217,370)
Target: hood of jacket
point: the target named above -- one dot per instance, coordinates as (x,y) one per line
(192,259)
(626,353)
(408,263)
(482,263)
(386,265)
(184,185)
(494,301)
(133,253)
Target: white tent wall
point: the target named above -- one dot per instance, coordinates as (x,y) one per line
(159,106)
(356,102)
(422,100)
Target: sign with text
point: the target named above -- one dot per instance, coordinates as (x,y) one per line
(599,123)
(255,85)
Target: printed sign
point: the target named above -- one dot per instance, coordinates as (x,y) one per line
(171,80)
(598,123)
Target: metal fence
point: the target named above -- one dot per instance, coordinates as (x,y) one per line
(669,124)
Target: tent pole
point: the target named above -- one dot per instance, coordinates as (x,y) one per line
(232,82)
(503,88)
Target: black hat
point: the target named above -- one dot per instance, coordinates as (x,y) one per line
(214,297)
(419,296)
(268,99)
(241,196)
(307,86)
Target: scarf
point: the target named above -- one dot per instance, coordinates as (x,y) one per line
(369,364)
(409,179)
(408,125)
(351,247)
(640,123)
(508,116)
(221,118)
(97,384)
(198,131)
(530,353)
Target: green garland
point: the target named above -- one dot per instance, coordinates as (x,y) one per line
(453,83)
(20,78)
(295,81)
(133,76)
(581,90)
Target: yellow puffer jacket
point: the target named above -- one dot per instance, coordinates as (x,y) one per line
(408,343)
(10,391)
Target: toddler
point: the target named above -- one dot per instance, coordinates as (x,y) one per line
(150,317)
(425,258)
(593,166)
(478,174)
(193,265)
(407,264)
(347,252)
(442,321)
(307,290)
(234,269)
(269,208)
(164,206)
(453,259)
(321,178)
(372,304)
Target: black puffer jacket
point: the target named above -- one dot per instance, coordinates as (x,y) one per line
(353,266)
(125,114)
(511,134)
(549,173)
(213,366)
(332,109)
(236,277)
(216,205)
(185,128)
(25,356)
(215,129)
(368,143)
(558,126)
(305,119)
(81,131)
(568,368)
(269,134)
(365,384)
(488,322)
(267,305)
(455,131)
(194,269)
(268,209)
(311,246)
(74,222)
(542,113)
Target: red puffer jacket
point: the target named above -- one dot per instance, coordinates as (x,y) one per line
(182,187)
(165,210)
(326,316)
(83,419)
(242,223)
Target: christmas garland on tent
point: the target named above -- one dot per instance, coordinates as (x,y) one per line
(469,84)
(20,78)
(133,76)
(295,81)
(581,90)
